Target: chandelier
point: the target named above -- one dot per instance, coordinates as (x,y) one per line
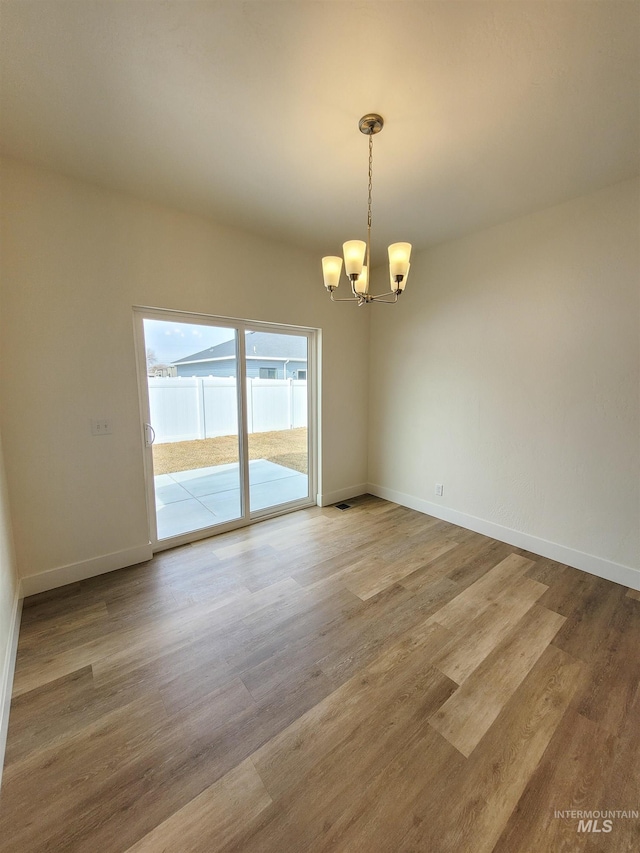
(356,251)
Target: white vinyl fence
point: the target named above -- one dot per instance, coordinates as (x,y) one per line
(184,408)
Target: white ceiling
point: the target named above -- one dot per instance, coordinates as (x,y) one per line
(248,111)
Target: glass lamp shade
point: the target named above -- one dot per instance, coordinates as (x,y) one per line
(399,254)
(395,286)
(361,284)
(331,269)
(353,251)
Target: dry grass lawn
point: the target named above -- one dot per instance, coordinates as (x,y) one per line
(286,447)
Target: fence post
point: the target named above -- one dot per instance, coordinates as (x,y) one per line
(290,403)
(249,405)
(202,424)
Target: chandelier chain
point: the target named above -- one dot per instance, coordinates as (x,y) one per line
(370,177)
(368,249)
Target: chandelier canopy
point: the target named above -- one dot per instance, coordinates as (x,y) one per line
(356,251)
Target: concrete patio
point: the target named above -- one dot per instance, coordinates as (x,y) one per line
(191,500)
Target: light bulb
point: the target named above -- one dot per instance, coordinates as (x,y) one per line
(353,251)
(331,269)
(361,284)
(399,286)
(399,254)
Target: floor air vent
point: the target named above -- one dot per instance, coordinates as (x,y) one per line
(342,506)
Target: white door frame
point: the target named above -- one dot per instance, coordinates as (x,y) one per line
(140,313)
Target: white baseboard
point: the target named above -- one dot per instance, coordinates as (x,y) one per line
(342,494)
(6,677)
(53,578)
(624,575)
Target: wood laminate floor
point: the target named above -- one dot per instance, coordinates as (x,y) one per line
(370,680)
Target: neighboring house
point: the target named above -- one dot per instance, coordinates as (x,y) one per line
(161,370)
(269,356)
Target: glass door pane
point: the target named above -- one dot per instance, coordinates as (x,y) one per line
(192,373)
(276,375)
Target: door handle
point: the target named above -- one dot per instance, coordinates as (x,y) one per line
(149,435)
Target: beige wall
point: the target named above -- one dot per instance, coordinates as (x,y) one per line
(76,259)
(510,373)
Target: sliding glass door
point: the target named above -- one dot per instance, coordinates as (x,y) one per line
(225,408)
(277,409)
(193,416)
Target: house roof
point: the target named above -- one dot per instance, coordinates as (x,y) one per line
(259,345)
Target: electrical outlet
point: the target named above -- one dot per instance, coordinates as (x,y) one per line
(439,490)
(101,426)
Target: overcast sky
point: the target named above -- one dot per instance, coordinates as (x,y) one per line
(170,341)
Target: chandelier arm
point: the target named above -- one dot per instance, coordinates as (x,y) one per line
(384,298)
(344,299)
